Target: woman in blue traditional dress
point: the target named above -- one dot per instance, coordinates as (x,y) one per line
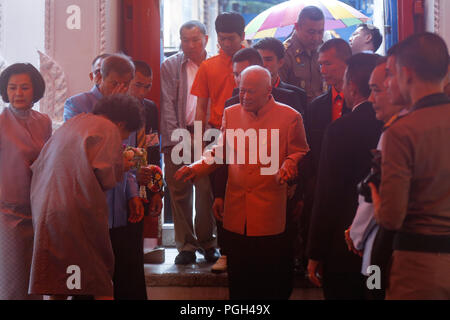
(23,133)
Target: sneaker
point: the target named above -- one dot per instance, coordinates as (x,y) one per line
(185,257)
(220,266)
(154,256)
(210,254)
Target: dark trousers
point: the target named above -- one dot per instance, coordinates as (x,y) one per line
(382,254)
(221,238)
(129,277)
(344,286)
(375,294)
(259,268)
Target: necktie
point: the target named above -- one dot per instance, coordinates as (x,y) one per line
(338,105)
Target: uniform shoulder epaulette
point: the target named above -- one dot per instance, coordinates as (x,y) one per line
(287,43)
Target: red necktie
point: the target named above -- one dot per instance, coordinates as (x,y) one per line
(337,107)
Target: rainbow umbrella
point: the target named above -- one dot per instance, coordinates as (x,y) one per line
(278,21)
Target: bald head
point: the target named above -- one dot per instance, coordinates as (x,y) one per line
(258,72)
(255,88)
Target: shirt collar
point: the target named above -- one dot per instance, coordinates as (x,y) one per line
(431,101)
(335,93)
(186,59)
(359,104)
(225,56)
(277,83)
(96,92)
(265,109)
(301,48)
(20,113)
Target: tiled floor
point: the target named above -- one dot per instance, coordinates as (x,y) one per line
(168,281)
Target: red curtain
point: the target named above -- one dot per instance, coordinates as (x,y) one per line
(142,41)
(410,18)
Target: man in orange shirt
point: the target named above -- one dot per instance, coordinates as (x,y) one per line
(254,216)
(214,82)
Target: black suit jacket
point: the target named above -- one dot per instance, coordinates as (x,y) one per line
(345,160)
(152,125)
(300,92)
(317,118)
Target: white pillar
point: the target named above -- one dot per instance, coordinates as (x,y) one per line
(59,37)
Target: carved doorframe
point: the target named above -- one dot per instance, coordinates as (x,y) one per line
(57,87)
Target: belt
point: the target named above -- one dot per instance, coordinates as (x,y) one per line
(421,243)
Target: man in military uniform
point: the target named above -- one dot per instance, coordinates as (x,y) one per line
(301,68)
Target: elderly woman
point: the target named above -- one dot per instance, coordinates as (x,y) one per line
(23,133)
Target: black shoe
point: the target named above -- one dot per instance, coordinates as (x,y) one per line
(210,254)
(185,257)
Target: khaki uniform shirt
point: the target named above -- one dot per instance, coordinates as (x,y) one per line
(302,69)
(415,183)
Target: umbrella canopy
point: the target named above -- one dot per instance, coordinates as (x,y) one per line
(278,21)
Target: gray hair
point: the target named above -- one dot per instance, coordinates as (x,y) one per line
(193,24)
(118,62)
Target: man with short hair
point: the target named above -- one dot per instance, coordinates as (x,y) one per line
(248,57)
(361,234)
(301,68)
(414,197)
(273,54)
(366,39)
(330,106)
(95,75)
(124,203)
(344,161)
(322,111)
(148,136)
(255,203)
(214,81)
(178,111)
(116,73)
(391,83)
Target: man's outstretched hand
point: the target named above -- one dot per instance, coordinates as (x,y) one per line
(185,174)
